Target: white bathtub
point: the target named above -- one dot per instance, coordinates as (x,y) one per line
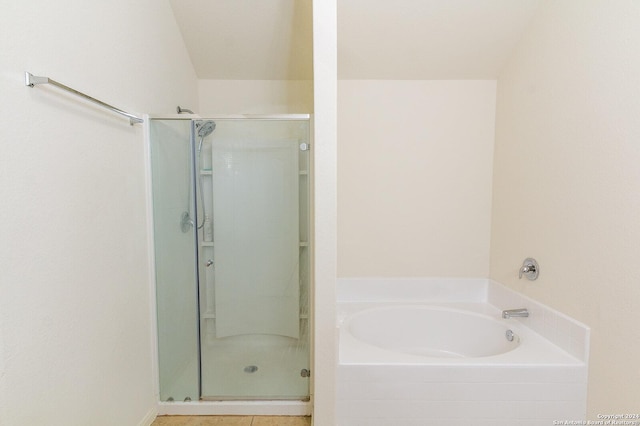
(431,331)
(434,352)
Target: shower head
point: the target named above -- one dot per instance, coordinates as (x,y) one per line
(205,128)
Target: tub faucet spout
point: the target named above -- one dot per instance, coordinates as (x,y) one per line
(510,313)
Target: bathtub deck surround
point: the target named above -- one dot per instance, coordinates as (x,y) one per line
(568,334)
(540,378)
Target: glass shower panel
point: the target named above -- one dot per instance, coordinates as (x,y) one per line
(254,270)
(175,259)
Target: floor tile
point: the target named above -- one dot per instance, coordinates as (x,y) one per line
(231,421)
(171,421)
(281,421)
(220,421)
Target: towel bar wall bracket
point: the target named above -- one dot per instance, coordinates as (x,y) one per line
(31,80)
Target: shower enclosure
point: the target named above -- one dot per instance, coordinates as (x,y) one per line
(231,208)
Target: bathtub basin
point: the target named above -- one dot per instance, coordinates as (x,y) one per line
(432,331)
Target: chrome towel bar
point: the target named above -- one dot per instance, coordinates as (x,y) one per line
(31,80)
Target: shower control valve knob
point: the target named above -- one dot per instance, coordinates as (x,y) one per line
(529,269)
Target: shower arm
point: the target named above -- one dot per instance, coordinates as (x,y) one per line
(181,110)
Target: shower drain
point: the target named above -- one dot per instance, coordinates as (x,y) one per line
(251,369)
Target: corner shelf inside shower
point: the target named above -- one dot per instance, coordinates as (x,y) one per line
(210,173)
(209,315)
(210,243)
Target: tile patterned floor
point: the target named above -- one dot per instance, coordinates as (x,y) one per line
(231,421)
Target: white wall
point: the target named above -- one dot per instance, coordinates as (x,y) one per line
(567,181)
(255,97)
(324,152)
(75,318)
(414,173)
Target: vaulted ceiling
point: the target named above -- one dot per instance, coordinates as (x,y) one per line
(377,39)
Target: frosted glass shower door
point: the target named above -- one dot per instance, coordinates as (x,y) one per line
(255,211)
(254,275)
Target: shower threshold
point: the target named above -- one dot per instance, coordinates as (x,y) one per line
(236,408)
(254,398)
